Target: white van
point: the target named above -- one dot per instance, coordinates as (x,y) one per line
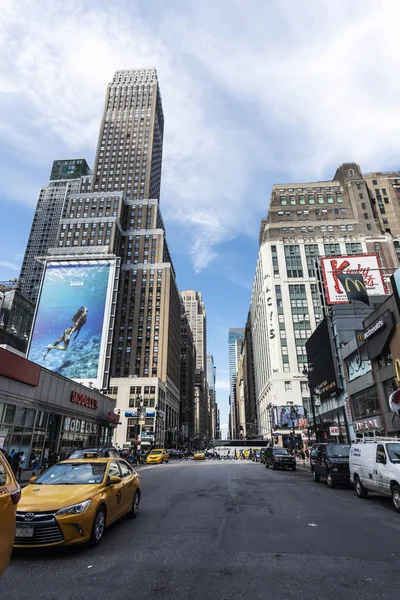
(375,467)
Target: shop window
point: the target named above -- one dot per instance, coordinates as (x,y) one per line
(365,403)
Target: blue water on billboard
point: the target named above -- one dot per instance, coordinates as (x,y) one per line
(69,322)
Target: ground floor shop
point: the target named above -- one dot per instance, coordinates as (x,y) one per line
(42,412)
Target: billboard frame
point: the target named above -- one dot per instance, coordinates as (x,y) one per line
(100,382)
(380,270)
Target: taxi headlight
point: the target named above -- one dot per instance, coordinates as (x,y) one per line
(75,509)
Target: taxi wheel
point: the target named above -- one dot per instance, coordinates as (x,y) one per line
(133,513)
(99,525)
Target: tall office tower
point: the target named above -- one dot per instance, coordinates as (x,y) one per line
(120,216)
(130,144)
(235,341)
(212,395)
(67,176)
(353,214)
(196,314)
(188,365)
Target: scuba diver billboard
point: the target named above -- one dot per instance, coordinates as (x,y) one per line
(72,319)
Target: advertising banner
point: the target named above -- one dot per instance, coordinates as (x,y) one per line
(71,325)
(356,366)
(286,416)
(367,265)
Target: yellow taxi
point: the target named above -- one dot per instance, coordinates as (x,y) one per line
(75,500)
(199,455)
(10,493)
(157,457)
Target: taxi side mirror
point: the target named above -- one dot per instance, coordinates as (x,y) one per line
(32,479)
(113,480)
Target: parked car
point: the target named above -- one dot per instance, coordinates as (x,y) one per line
(10,494)
(330,461)
(106,452)
(375,467)
(279,458)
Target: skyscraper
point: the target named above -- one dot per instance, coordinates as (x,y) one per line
(196,314)
(130,144)
(119,216)
(235,341)
(67,176)
(346,216)
(212,395)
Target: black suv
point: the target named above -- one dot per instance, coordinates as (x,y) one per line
(279,458)
(330,461)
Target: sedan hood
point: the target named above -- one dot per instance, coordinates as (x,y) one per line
(39,498)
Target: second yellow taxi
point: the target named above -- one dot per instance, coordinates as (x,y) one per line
(200,455)
(157,457)
(75,500)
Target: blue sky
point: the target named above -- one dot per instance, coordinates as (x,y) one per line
(254,93)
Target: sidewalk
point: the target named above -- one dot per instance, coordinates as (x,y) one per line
(303,465)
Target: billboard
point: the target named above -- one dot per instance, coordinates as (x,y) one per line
(367,265)
(320,353)
(71,325)
(286,416)
(395,281)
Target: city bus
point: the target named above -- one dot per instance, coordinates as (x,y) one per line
(227,448)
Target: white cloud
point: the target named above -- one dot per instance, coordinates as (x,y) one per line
(8,265)
(222,385)
(294,88)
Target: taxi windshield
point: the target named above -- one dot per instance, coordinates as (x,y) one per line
(394,452)
(156,452)
(85,473)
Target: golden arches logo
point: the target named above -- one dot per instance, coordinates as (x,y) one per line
(397,368)
(358,285)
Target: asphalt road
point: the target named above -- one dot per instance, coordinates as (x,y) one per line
(226,530)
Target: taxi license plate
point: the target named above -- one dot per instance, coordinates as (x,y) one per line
(26,532)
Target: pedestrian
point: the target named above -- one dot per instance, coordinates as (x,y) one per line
(14,462)
(35,465)
(21,464)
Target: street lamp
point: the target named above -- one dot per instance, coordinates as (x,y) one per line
(139,419)
(307,372)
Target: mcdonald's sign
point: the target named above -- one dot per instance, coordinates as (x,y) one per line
(395,351)
(397,369)
(358,275)
(354,286)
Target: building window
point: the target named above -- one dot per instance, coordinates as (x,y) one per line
(293,261)
(332,249)
(275,263)
(288,386)
(374,182)
(397,248)
(354,248)
(365,403)
(312,256)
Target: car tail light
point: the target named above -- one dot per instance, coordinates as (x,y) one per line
(16,496)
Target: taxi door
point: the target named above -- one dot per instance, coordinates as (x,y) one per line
(129,485)
(114,493)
